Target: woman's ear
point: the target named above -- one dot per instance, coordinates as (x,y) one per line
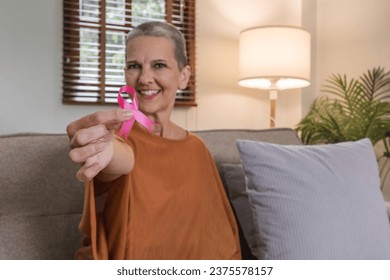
(185,76)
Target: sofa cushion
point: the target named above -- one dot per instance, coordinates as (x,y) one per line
(316,202)
(41,201)
(39,237)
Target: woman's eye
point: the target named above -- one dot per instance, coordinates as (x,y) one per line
(132,66)
(160,65)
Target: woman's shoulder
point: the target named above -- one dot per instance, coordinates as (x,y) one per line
(179,133)
(196,140)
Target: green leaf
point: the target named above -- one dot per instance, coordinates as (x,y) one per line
(352,109)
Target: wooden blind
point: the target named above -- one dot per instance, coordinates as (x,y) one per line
(94,34)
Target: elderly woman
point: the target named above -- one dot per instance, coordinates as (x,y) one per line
(152,195)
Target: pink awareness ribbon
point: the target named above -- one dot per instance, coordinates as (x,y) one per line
(137,114)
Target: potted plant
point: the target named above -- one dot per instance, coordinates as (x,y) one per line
(352,110)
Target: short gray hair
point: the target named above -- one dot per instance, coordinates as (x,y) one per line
(166,30)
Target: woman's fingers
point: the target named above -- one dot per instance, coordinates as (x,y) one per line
(86,173)
(90,135)
(110,118)
(96,163)
(81,154)
(91,140)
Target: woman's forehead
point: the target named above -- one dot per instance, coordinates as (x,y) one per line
(150,45)
(150,40)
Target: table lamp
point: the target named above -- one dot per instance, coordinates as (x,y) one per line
(274,58)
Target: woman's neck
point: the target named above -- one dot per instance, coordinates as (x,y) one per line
(169,130)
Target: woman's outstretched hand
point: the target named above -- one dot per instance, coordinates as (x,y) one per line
(94,146)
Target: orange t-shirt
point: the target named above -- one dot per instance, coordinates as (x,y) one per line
(172,205)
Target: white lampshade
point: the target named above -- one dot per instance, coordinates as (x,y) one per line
(274,57)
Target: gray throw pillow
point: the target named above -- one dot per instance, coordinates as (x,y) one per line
(234,177)
(316,202)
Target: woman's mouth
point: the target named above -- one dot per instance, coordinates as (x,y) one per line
(149,94)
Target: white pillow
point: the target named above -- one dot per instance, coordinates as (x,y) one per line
(316,202)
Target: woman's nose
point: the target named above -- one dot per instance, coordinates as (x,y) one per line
(146,76)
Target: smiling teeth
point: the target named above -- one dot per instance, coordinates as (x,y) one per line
(149,92)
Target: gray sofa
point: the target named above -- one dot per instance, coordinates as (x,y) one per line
(41,201)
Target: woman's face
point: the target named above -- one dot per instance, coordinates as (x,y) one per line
(152,70)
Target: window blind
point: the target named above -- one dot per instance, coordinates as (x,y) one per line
(94,34)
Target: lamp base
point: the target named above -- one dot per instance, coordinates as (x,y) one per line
(273,95)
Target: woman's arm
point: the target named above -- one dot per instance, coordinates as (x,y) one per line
(122,162)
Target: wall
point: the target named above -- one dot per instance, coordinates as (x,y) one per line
(30,69)
(353,36)
(309,21)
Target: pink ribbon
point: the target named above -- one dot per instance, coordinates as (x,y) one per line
(137,115)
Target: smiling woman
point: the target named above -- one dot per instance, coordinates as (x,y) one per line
(94,33)
(153,194)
